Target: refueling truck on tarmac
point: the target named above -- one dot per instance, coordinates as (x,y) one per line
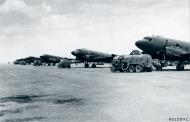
(132,63)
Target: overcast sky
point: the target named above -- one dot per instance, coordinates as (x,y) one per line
(36,27)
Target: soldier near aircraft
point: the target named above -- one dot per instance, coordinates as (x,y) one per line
(166,49)
(86,56)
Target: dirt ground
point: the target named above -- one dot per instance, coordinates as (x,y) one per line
(49,94)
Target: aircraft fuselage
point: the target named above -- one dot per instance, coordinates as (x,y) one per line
(174,48)
(92,56)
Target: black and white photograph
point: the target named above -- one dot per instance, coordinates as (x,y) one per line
(94,60)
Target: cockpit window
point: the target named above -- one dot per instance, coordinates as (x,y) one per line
(148,38)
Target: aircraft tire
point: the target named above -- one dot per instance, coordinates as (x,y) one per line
(138,68)
(86,65)
(93,65)
(131,68)
(124,67)
(180,67)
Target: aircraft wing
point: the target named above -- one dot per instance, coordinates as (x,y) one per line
(92,57)
(105,58)
(102,58)
(177,52)
(186,55)
(74,61)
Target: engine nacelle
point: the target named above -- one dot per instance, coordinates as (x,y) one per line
(174,50)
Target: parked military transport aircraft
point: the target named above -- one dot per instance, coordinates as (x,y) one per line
(86,56)
(28,60)
(51,59)
(166,49)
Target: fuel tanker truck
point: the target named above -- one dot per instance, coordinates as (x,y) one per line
(132,63)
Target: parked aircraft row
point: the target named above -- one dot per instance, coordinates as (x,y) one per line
(37,61)
(163,49)
(83,55)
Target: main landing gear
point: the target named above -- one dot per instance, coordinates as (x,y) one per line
(93,65)
(86,65)
(180,66)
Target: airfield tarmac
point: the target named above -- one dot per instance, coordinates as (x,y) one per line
(49,94)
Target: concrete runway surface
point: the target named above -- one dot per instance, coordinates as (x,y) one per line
(49,94)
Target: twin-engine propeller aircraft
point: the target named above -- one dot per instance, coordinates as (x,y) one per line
(27,61)
(51,59)
(166,49)
(86,56)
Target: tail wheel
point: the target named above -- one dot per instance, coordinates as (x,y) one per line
(131,68)
(138,68)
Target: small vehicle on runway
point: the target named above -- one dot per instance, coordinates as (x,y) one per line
(37,63)
(132,63)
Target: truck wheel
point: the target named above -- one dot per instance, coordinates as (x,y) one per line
(124,67)
(131,68)
(138,68)
(149,69)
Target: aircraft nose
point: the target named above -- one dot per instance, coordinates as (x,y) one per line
(74,53)
(139,43)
